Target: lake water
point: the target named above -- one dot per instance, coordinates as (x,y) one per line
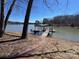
(17,28)
(68,33)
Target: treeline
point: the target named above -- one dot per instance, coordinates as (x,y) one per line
(67,20)
(11,22)
(14,22)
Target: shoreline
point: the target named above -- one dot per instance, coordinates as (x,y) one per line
(18,34)
(40,47)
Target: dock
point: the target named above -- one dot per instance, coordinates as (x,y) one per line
(43,30)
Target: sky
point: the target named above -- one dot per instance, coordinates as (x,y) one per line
(40,10)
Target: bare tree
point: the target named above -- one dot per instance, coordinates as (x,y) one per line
(57,3)
(26,21)
(1,17)
(8,14)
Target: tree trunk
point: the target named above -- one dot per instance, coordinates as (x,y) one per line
(26,21)
(8,14)
(1,18)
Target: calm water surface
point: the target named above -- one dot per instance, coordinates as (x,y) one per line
(68,33)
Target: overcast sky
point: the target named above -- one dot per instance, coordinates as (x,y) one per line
(40,10)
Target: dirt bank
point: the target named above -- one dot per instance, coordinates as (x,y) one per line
(37,47)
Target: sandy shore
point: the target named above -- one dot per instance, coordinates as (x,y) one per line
(37,47)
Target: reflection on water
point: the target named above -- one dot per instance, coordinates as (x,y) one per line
(61,32)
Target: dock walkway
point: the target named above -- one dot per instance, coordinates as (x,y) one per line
(45,33)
